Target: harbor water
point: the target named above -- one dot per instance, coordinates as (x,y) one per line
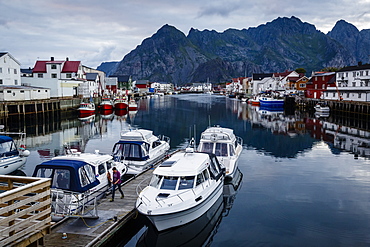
(304,179)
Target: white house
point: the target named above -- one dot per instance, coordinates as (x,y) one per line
(162,87)
(62,77)
(22,93)
(10,70)
(261,82)
(352,84)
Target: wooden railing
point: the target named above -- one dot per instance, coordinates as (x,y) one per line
(24,210)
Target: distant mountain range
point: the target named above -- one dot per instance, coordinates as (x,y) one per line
(283,44)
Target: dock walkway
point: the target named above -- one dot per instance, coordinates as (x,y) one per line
(112,215)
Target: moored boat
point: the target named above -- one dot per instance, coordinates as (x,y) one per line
(139,149)
(86,108)
(182,189)
(12,157)
(106,104)
(121,103)
(322,107)
(77,179)
(224,144)
(271,102)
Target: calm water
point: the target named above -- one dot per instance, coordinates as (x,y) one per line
(305,181)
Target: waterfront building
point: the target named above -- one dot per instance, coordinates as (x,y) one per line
(63,77)
(22,93)
(260,82)
(318,84)
(142,86)
(352,84)
(9,70)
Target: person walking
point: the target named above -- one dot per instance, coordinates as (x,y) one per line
(116,183)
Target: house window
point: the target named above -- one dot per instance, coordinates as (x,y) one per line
(1,81)
(359,95)
(53,66)
(22,91)
(38,91)
(346,74)
(8,91)
(347,95)
(53,75)
(353,84)
(15,71)
(1,91)
(354,74)
(1,70)
(40,75)
(333,95)
(68,75)
(323,86)
(361,73)
(15,82)
(327,94)
(367,72)
(46,91)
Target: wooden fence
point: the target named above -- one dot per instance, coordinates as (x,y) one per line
(24,210)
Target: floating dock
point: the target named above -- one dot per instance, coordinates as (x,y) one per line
(112,215)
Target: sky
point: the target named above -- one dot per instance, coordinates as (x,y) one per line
(96,31)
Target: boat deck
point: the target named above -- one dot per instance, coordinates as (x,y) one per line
(112,215)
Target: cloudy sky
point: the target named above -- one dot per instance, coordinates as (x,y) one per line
(95,31)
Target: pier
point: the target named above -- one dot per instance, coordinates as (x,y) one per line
(112,215)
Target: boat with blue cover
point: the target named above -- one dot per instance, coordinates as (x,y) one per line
(12,157)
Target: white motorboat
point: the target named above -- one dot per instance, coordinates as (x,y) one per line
(140,149)
(182,189)
(132,105)
(86,108)
(224,144)
(12,157)
(77,179)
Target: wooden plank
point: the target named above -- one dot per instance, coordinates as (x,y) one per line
(35,207)
(23,232)
(29,188)
(23,202)
(31,238)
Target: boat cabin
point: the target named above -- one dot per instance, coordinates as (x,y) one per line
(221,143)
(165,177)
(71,175)
(135,145)
(7,147)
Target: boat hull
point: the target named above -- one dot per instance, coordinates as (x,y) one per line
(166,221)
(272,103)
(10,164)
(120,105)
(106,107)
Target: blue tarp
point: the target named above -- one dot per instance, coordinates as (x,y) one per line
(5,139)
(72,166)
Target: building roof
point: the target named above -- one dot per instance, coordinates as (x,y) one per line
(68,66)
(359,66)
(3,53)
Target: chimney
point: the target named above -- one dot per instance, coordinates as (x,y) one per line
(67,59)
(52,59)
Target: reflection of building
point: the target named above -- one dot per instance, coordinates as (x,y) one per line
(350,139)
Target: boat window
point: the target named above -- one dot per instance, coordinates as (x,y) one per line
(109,164)
(221,149)
(101,169)
(156,179)
(45,173)
(86,175)
(200,179)
(7,147)
(156,144)
(186,182)
(145,148)
(61,179)
(206,174)
(231,150)
(169,183)
(207,147)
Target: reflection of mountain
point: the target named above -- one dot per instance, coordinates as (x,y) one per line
(196,233)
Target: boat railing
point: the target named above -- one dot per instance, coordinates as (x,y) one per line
(164,138)
(69,203)
(239,140)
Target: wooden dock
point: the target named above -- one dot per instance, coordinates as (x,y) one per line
(112,215)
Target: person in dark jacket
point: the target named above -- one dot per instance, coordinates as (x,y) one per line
(116,181)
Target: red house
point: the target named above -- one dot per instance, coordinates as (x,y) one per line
(318,84)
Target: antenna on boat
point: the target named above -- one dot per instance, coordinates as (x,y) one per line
(209,120)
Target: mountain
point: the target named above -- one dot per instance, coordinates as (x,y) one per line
(284,43)
(108,67)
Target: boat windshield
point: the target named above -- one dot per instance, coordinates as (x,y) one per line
(8,146)
(221,149)
(207,147)
(169,183)
(131,151)
(86,175)
(156,179)
(186,182)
